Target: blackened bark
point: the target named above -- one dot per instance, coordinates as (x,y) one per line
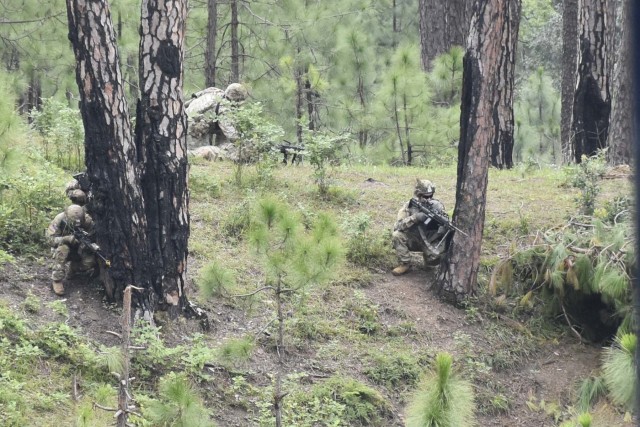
(111,156)
(308,90)
(592,99)
(621,131)
(569,71)
(502,146)
(299,104)
(235,50)
(162,139)
(443,24)
(459,268)
(210,50)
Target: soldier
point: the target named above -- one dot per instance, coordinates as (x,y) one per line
(66,248)
(415,231)
(204,131)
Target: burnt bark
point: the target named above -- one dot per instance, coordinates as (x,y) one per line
(140,200)
(502,146)
(621,130)
(162,138)
(112,158)
(459,268)
(443,24)
(210,50)
(592,98)
(569,71)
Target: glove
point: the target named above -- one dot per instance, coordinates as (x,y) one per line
(420,217)
(69,240)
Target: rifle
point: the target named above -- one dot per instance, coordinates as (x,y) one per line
(83,237)
(435,215)
(289,148)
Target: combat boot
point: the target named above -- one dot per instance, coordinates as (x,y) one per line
(400,270)
(58,288)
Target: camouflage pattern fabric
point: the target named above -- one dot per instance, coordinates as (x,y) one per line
(406,237)
(67,249)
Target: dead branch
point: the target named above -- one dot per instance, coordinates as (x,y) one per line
(566,316)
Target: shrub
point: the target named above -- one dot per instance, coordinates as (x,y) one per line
(443,400)
(619,370)
(365,248)
(393,370)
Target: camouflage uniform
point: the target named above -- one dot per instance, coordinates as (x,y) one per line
(204,131)
(66,248)
(410,234)
(75,193)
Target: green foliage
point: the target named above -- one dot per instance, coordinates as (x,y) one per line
(203,184)
(178,406)
(585,176)
(591,389)
(235,352)
(31,303)
(394,371)
(443,400)
(537,119)
(365,248)
(322,150)
(445,77)
(215,280)
(363,405)
(619,370)
(62,133)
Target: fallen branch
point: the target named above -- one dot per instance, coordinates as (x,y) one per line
(566,316)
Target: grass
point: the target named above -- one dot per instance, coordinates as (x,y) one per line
(348,362)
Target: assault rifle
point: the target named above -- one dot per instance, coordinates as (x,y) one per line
(435,216)
(83,237)
(289,148)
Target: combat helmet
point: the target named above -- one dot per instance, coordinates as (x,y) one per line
(77,197)
(424,186)
(74,215)
(235,92)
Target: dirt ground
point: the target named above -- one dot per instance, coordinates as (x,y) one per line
(549,374)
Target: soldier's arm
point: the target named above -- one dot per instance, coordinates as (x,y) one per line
(405,219)
(55,230)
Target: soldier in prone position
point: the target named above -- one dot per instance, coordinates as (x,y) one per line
(67,249)
(415,231)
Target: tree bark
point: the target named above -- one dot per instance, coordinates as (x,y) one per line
(235,50)
(569,71)
(502,146)
(621,131)
(592,99)
(443,24)
(210,51)
(162,138)
(112,158)
(459,268)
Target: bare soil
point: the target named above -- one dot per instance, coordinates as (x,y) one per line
(549,373)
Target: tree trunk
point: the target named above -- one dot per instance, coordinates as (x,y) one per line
(459,268)
(443,24)
(569,71)
(502,146)
(299,104)
(592,99)
(235,50)
(162,138)
(311,109)
(210,51)
(139,186)
(112,159)
(621,133)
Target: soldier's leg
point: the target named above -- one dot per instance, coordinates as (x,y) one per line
(403,243)
(58,267)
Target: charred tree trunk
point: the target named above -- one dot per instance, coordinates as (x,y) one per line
(161,131)
(621,131)
(502,146)
(113,162)
(569,71)
(235,44)
(459,268)
(210,51)
(443,24)
(299,104)
(592,99)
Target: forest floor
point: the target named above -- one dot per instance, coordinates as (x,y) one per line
(525,370)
